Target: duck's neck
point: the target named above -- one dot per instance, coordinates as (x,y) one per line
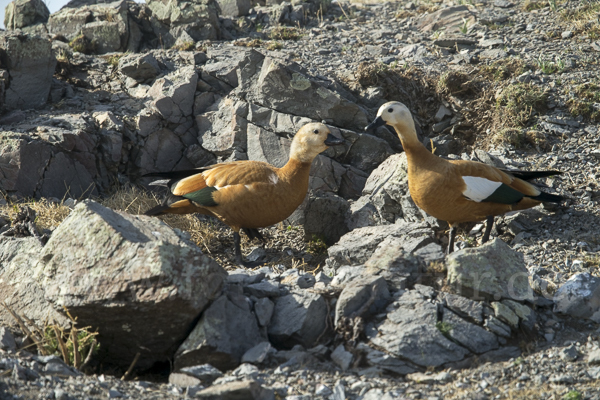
(296,172)
(416,153)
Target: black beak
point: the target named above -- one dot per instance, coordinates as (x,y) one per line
(375,124)
(332,140)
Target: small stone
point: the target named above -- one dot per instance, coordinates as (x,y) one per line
(257,354)
(246,370)
(60,394)
(263,289)
(323,390)
(566,34)
(339,392)
(443,111)
(569,353)
(263,309)
(205,372)
(7,340)
(594,357)
(341,357)
(504,313)
(113,394)
(183,380)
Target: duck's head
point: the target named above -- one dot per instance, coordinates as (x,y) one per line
(311,140)
(395,114)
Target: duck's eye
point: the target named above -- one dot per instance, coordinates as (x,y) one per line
(390,110)
(316,131)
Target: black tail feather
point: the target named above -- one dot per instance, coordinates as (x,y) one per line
(529,175)
(166,204)
(158,210)
(547,197)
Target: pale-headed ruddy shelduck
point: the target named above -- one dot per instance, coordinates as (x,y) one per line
(246,195)
(459,191)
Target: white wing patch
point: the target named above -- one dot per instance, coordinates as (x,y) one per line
(478,188)
(221,187)
(273,178)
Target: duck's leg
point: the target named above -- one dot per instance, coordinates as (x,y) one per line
(239,259)
(259,236)
(254,233)
(451,237)
(489,222)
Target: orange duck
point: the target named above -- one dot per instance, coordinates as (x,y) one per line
(460,191)
(246,195)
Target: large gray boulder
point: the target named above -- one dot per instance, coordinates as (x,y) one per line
(137,281)
(234,8)
(411,332)
(364,295)
(198,18)
(22,13)
(289,90)
(37,167)
(106,25)
(173,95)
(30,64)
(227,329)
(492,271)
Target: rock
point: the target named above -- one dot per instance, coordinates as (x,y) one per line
(594,357)
(226,330)
(206,373)
(19,289)
(153,275)
(410,332)
(263,289)
(7,340)
(199,19)
(356,247)
(324,217)
(449,18)
(22,13)
(263,308)
(298,318)
(247,390)
(30,63)
(504,313)
(471,336)
(173,95)
(491,271)
(141,67)
(569,354)
(464,307)
(246,370)
(579,297)
(225,130)
(234,8)
(527,317)
(422,378)
(257,354)
(366,295)
(497,326)
(392,260)
(385,361)
(341,357)
(289,90)
(323,390)
(183,380)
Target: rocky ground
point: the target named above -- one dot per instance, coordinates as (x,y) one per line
(516,79)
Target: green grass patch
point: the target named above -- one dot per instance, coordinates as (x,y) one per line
(517,103)
(285,33)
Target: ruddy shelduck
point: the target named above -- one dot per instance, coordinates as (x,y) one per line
(459,191)
(246,195)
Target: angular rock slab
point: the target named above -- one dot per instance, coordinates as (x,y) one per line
(579,297)
(491,271)
(363,295)
(356,247)
(226,330)
(410,333)
(298,318)
(30,63)
(139,282)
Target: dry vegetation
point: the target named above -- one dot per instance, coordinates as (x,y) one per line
(286,246)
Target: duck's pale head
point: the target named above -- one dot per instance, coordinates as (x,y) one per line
(392,113)
(312,139)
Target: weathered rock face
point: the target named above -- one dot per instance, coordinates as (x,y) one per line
(492,271)
(234,8)
(22,13)
(98,261)
(225,332)
(410,332)
(30,65)
(18,288)
(357,246)
(298,318)
(198,18)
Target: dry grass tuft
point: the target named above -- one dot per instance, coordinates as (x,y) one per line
(48,215)
(516,104)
